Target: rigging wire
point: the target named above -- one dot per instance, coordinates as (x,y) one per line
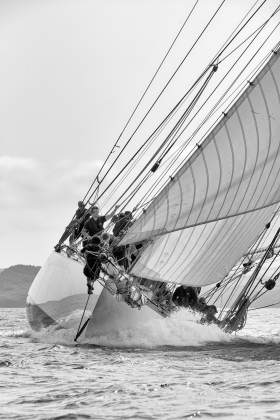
(169,81)
(174,130)
(262,307)
(238,32)
(144,144)
(226,282)
(243,42)
(174,158)
(213,59)
(212,111)
(183,146)
(228,73)
(246,293)
(231,41)
(180,150)
(142,97)
(185,59)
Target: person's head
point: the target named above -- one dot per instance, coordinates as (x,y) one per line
(213,309)
(80,203)
(95,240)
(105,237)
(94,211)
(202,300)
(128,214)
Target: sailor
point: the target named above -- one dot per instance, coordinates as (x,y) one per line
(106,239)
(75,226)
(164,296)
(185,296)
(120,254)
(122,222)
(209,315)
(93,262)
(201,304)
(124,254)
(82,215)
(94,224)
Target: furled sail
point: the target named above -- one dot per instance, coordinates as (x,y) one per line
(220,200)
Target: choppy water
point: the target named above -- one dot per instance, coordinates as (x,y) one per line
(166,370)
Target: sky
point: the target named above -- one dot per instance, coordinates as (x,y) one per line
(71,74)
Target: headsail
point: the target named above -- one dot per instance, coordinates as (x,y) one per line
(228,189)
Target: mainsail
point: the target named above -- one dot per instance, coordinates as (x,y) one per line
(219,201)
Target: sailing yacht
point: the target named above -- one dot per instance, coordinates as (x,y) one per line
(205,212)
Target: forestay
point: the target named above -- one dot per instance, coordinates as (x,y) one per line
(220,200)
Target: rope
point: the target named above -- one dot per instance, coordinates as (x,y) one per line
(185,145)
(166,87)
(79,332)
(208,97)
(142,97)
(180,64)
(262,307)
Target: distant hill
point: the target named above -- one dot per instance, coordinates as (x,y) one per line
(14,285)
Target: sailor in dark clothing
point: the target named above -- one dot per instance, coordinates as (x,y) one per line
(201,304)
(122,223)
(82,215)
(75,226)
(81,210)
(185,296)
(93,262)
(120,255)
(94,224)
(119,221)
(209,317)
(122,252)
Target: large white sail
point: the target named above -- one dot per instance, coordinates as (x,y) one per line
(204,254)
(235,171)
(222,197)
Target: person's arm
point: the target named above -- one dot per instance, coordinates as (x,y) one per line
(110,215)
(85,232)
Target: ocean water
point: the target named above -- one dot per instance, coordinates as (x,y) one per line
(169,369)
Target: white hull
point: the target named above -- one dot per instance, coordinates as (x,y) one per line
(58,296)
(110,316)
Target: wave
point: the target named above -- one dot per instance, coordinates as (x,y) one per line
(182,329)
(25,333)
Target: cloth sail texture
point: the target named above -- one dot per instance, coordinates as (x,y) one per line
(234,173)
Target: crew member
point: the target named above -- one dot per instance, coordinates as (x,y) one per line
(201,304)
(74,226)
(95,223)
(209,315)
(185,296)
(82,215)
(93,263)
(123,222)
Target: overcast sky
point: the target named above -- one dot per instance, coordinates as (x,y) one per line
(71,73)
